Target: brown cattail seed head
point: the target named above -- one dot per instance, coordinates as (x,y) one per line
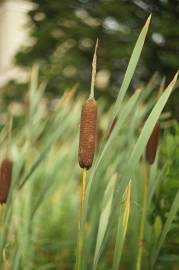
(152,144)
(5,179)
(87,133)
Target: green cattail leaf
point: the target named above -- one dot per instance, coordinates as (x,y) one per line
(171,215)
(104,219)
(131,66)
(122,226)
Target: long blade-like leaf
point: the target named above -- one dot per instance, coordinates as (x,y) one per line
(104,219)
(131,66)
(122,227)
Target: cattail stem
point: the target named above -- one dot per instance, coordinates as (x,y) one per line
(81,225)
(143,218)
(2,214)
(81,240)
(83,191)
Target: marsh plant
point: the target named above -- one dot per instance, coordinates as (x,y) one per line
(42,226)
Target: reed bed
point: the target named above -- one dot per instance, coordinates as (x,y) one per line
(40,224)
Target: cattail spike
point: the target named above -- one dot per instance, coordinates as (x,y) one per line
(87,133)
(93,77)
(88,123)
(5,179)
(152,144)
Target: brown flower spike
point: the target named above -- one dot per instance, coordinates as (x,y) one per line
(152,144)
(87,133)
(88,124)
(5,179)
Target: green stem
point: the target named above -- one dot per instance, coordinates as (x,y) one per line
(142,224)
(80,245)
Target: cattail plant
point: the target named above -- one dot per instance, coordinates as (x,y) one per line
(6,169)
(152,144)
(5,179)
(88,131)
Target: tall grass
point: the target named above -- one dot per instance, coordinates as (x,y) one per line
(40,226)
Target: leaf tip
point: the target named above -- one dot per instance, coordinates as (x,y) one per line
(176,75)
(174,79)
(148,21)
(173,82)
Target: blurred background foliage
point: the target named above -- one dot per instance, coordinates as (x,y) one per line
(63,34)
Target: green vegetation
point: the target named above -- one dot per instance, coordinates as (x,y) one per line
(40,224)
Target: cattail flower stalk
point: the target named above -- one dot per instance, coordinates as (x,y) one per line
(88,131)
(83,190)
(87,148)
